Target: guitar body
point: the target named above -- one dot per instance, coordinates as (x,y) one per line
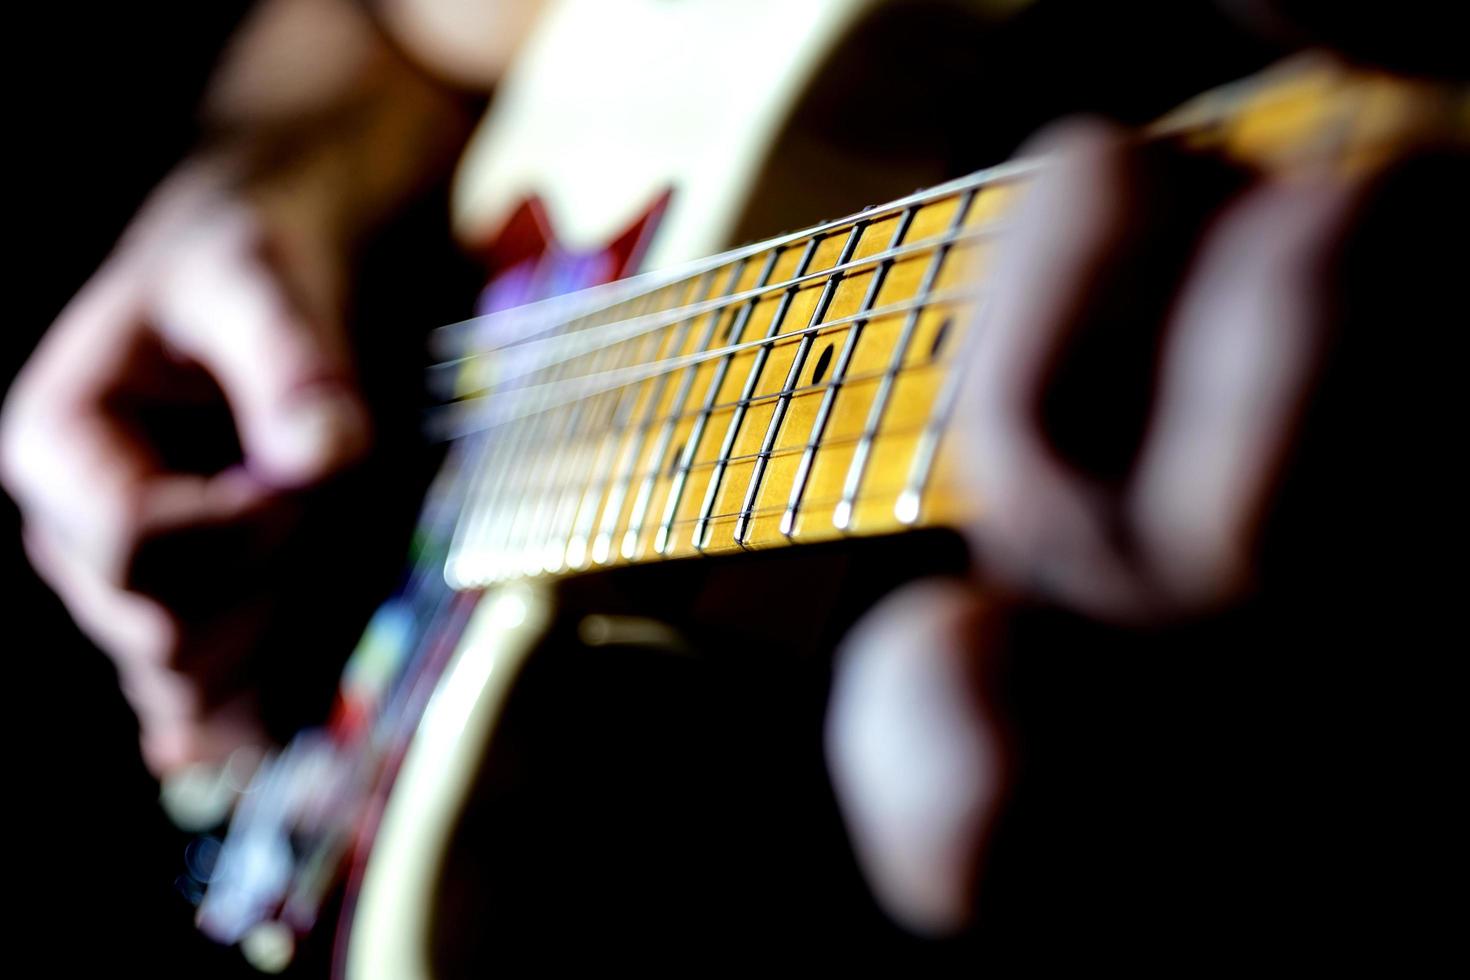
(589,722)
(634,770)
(733,106)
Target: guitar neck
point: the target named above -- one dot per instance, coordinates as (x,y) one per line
(785,393)
(793,391)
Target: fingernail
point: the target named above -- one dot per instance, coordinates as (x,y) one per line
(315,436)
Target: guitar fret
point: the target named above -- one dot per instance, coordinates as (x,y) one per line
(454,419)
(775,511)
(622,432)
(665,436)
(462,569)
(703,526)
(540,494)
(623,423)
(543,486)
(578,468)
(594,460)
(520,549)
(449,339)
(612,508)
(778,413)
(544,443)
(633,327)
(839,374)
(502,494)
(662,541)
(788,451)
(479,560)
(910,502)
(585,515)
(842,513)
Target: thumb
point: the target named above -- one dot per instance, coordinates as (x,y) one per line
(915,750)
(286,373)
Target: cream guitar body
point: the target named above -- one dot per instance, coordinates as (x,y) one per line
(390,933)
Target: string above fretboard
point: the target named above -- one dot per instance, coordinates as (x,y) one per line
(799,388)
(785,391)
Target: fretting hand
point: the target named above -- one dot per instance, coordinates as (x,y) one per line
(1138,388)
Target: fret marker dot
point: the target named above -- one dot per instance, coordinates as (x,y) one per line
(939,337)
(820,371)
(907,508)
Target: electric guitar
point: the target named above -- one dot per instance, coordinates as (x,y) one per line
(607,424)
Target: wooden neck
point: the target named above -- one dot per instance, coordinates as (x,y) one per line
(792,391)
(789,392)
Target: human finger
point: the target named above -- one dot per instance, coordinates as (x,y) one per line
(916,751)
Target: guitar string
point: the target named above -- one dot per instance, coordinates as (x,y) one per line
(596,300)
(475,414)
(557,343)
(803,391)
(451,337)
(535,488)
(607,334)
(931,363)
(597,334)
(563,344)
(631,374)
(566,558)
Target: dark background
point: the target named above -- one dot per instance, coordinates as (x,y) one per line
(99,104)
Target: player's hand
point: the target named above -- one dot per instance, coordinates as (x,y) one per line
(181,403)
(1155,333)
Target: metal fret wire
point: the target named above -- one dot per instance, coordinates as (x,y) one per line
(696,429)
(548,527)
(506,489)
(739,412)
(842,514)
(666,431)
(571,526)
(612,508)
(456,339)
(798,361)
(829,397)
(524,527)
(498,508)
(910,501)
(527,360)
(513,491)
(541,529)
(819,309)
(801,392)
(443,419)
(505,498)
